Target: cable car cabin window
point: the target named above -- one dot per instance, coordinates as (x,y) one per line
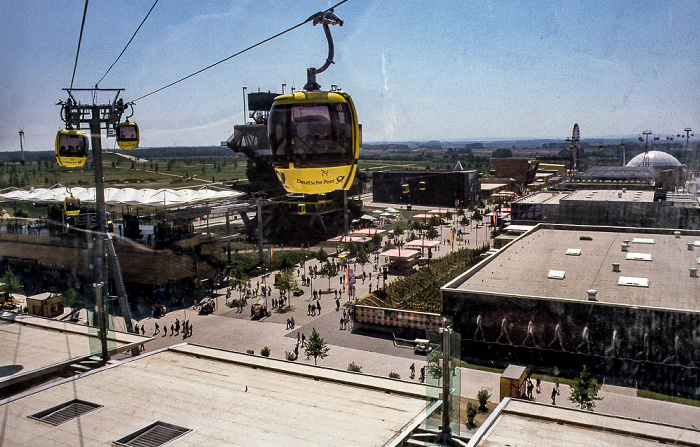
(127,133)
(311,135)
(73,146)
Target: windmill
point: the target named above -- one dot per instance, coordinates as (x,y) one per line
(21,142)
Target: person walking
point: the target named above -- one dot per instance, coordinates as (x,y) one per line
(413,370)
(554,396)
(157,330)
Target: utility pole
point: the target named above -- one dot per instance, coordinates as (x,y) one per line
(245,114)
(646,134)
(688,133)
(345,212)
(260,232)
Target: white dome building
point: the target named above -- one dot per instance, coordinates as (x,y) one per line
(654,159)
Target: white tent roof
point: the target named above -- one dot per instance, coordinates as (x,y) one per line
(130,196)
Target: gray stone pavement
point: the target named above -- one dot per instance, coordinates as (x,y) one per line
(230,330)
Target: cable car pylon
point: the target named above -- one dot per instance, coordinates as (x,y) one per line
(94,116)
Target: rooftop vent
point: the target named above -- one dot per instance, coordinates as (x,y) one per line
(638,257)
(691,246)
(585,238)
(592,295)
(634,282)
(65,412)
(677,234)
(624,246)
(616,267)
(573,252)
(693,272)
(154,435)
(556,274)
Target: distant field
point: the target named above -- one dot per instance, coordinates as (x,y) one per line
(121,172)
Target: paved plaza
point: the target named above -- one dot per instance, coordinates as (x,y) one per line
(227,328)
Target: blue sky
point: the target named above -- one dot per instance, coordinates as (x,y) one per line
(417,70)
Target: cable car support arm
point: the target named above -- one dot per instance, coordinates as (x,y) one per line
(324,18)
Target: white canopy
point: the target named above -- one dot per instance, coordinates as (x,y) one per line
(128,196)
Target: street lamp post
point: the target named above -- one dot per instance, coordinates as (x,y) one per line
(245,114)
(264,278)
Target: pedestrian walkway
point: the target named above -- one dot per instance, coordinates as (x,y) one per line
(229,329)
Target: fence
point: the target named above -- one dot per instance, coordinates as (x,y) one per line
(380,316)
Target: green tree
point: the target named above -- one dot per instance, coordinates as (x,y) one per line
(316,347)
(432,233)
(322,256)
(434,366)
(287,281)
(502,153)
(377,240)
(329,270)
(72,300)
(584,391)
(12,284)
(416,225)
(400,228)
(362,257)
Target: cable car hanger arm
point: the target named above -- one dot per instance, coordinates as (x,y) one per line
(325,18)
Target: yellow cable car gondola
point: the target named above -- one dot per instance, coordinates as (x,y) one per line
(314,138)
(421,185)
(314,135)
(71,205)
(71,148)
(128,135)
(301,209)
(405,189)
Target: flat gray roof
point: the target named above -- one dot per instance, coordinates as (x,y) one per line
(30,344)
(543,197)
(589,195)
(225,398)
(611,195)
(522,268)
(527,423)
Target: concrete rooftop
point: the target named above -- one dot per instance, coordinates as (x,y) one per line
(225,398)
(589,195)
(521,423)
(522,268)
(31,344)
